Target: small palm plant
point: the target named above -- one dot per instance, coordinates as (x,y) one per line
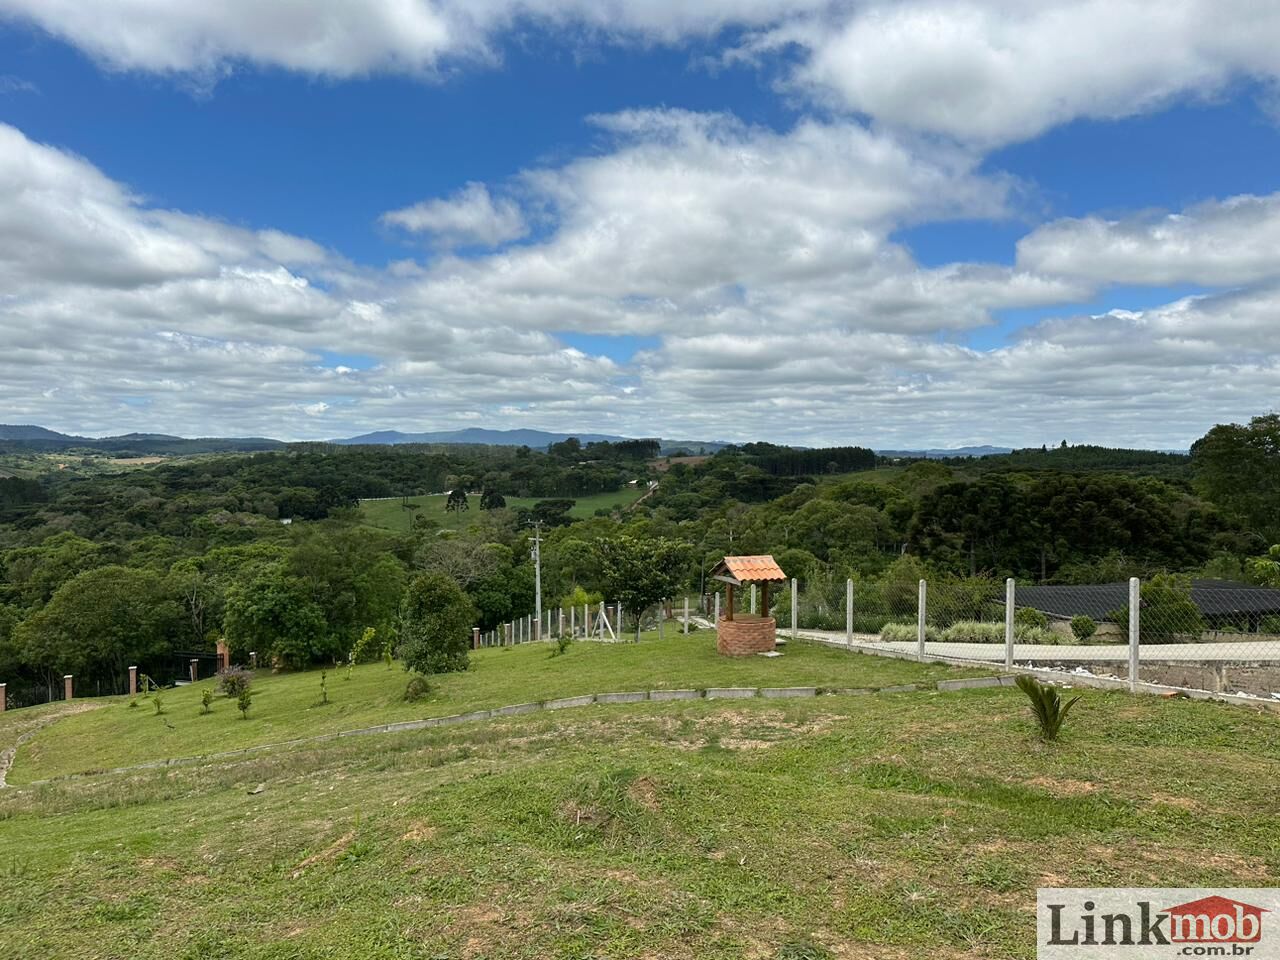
(1050,712)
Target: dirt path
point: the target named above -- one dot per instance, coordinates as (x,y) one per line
(29,730)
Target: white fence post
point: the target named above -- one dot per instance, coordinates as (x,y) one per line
(1135,601)
(1010,595)
(920,620)
(717,611)
(795,608)
(573,625)
(848,612)
(586,621)
(686,613)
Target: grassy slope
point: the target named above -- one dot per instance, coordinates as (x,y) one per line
(390,515)
(287,707)
(890,826)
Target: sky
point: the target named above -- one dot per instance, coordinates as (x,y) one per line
(898,224)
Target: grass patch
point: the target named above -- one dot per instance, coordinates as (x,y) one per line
(391,514)
(880,827)
(287,706)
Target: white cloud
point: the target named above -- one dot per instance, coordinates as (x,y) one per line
(995,70)
(1234,241)
(344,38)
(471,216)
(763,261)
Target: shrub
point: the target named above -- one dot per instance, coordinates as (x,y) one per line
(417,688)
(974,631)
(206,700)
(905,633)
(364,648)
(1046,706)
(435,625)
(233,680)
(1083,627)
(243,700)
(563,643)
(324,686)
(1269,625)
(158,702)
(1036,635)
(1028,617)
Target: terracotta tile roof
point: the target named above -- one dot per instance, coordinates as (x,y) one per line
(752,568)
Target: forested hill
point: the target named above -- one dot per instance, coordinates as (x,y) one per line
(1083,458)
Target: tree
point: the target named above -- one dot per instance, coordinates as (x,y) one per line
(435,625)
(492,500)
(1238,469)
(1167,613)
(99,623)
(640,571)
(457,500)
(274,613)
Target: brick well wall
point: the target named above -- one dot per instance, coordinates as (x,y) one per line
(745,635)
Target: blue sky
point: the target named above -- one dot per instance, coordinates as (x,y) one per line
(822,223)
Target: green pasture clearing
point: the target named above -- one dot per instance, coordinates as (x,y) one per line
(886,826)
(392,515)
(287,706)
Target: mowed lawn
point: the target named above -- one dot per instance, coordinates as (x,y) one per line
(288,706)
(392,515)
(884,826)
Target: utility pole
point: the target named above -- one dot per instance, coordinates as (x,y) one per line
(537,574)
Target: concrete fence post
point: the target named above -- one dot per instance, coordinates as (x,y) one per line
(573,621)
(195,669)
(1135,629)
(1010,596)
(475,638)
(795,608)
(921,606)
(586,620)
(133,681)
(253,659)
(662,608)
(619,620)
(2,698)
(68,687)
(848,612)
(686,614)
(560,629)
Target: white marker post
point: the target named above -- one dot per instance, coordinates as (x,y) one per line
(1010,595)
(848,612)
(920,620)
(1135,629)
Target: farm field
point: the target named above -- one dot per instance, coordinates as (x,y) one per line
(885,826)
(391,515)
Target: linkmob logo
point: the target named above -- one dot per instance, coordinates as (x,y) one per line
(1140,923)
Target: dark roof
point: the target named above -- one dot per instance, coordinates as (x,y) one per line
(1214,598)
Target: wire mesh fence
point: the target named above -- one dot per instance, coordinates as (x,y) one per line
(1211,635)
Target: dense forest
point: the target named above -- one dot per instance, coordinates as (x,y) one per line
(100,570)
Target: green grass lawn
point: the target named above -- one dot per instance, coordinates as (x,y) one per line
(287,706)
(888,826)
(391,515)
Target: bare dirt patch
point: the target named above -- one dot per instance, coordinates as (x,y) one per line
(334,849)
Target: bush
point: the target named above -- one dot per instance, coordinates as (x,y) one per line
(1269,625)
(206,700)
(417,688)
(243,700)
(974,631)
(1029,617)
(1083,627)
(435,625)
(563,643)
(233,680)
(906,633)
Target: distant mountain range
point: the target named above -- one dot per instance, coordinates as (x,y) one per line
(938,453)
(31,437)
